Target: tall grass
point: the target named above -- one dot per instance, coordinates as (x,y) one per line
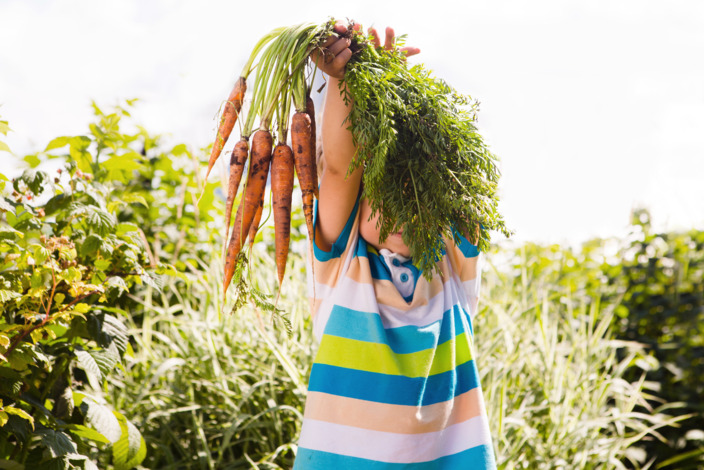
(554,375)
(213,389)
(210,389)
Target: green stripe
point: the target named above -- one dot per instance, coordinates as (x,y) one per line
(380,358)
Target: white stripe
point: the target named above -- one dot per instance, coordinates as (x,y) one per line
(361,297)
(425,314)
(392,447)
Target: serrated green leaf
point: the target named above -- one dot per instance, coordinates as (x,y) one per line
(169,270)
(102,264)
(7,295)
(91,246)
(107,331)
(33,179)
(88,364)
(153,280)
(3,418)
(106,358)
(57,143)
(130,450)
(85,432)
(57,463)
(58,202)
(78,152)
(101,418)
(179,149)
(132,198)
(117,283)
(90,465)
(6,206)
(58,442)
(63,404)
(11,410)
(126,227)
(4,127)
(4,147)
(123,163)
(70,275)
(32,160)
(100,220)
(82,307)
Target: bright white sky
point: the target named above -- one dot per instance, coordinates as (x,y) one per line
(593,106)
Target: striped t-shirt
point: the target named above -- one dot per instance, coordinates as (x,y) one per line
(394,384)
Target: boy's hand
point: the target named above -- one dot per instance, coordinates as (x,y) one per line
(336,53)
(390,42)
(336,50)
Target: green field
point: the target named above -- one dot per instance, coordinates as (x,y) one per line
(117,352)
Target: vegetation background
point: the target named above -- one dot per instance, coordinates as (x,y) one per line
(116,352)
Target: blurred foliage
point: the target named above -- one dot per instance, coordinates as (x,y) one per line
(663,308)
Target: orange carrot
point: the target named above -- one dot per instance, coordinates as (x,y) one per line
(253,195)
(227,120)
(255,223)
(282,190)
(305,164)
(237,161)
(310,110)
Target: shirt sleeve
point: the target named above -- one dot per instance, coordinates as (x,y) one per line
(340,245)
(465,260)
(327,267)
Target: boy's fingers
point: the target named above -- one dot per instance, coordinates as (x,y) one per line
(341,60)
(409,51)
(330,41)
(340,28)
(339,45)
(375,37)
(390,39)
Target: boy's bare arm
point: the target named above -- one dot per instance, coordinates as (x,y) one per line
(338,191)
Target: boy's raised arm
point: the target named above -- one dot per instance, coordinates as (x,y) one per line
(338,191)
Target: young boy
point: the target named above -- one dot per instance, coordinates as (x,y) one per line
(394,384)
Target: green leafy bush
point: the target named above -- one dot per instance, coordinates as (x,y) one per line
(73,245)
(662,275)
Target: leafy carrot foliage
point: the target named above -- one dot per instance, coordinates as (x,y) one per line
(427,168)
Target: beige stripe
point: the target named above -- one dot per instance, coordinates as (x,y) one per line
(327,272)
(465,267)
(401,419)
(359,270)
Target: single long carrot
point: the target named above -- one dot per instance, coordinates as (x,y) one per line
(305,164)
(310,111)
(282,190)
(227,120)
(254,227)
(253,195)
(237,161)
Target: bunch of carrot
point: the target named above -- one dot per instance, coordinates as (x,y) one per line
(281,63)
(408,127)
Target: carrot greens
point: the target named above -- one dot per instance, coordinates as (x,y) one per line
(426,167)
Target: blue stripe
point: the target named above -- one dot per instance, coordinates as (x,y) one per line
(393,389)
(378,268)
(364,326)
(477,458)
(467,249)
